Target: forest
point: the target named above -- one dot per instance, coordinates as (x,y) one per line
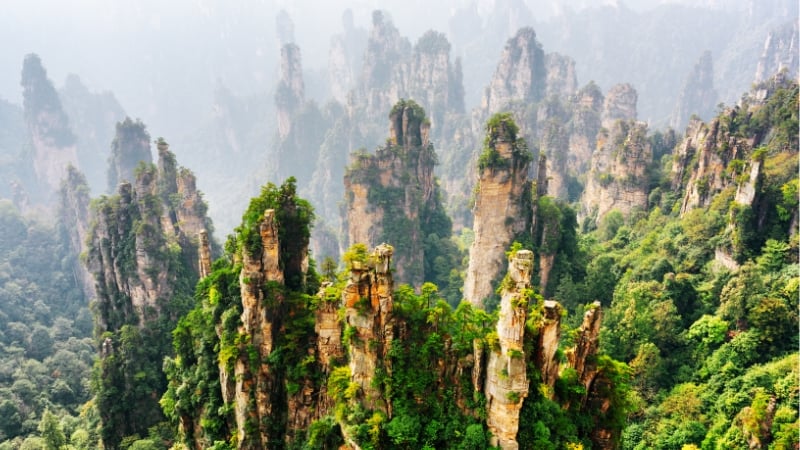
(540,269)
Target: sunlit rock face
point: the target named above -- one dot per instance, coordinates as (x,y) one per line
(501,213)
(394,188)
(368,306)
(618,178)
(780,53)
(506,375)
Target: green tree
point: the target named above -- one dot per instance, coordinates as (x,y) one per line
(51,432)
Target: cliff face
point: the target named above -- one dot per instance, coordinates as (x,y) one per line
(520,76)
(561,78)
(780,53)
(619,104)
(393,69)
(391,193)
(386,50)
(136,232)
(502,206)
(301,124)
(368,301)
(344,59)
(618,179)
(697,95)
(74,215)
(52,141)
(733,153)
(131,145)
(254,400)
(506,380)
(290,93)
(144,263)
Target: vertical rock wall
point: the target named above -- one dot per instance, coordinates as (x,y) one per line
(506,374)
(388,193)
(255,382)
(618,179)
(502,211)
(368,316)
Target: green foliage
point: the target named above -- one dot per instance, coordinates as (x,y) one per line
(46,351)
(710,349)
(51,432)
(294,217)
(502,128)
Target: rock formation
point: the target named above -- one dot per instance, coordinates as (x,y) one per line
(731,152)
(368,299)
(301,124)
(131,146)
(391,194)
(131,238)
(619,104)
(580,357)
(618,179)
(502,206)
(92,117)
(697,96)
(144,263)
(290,93)
(74,216)
(780,53)
(255,382)
(561,78)
(386,51)
(393,70)
(204,255)
(53,144)
(547,343)
(344,59)
(520,76)
(506,380)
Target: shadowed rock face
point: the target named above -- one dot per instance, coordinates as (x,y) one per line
(74,214)
(131,146)
(52,141)
(697,96)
